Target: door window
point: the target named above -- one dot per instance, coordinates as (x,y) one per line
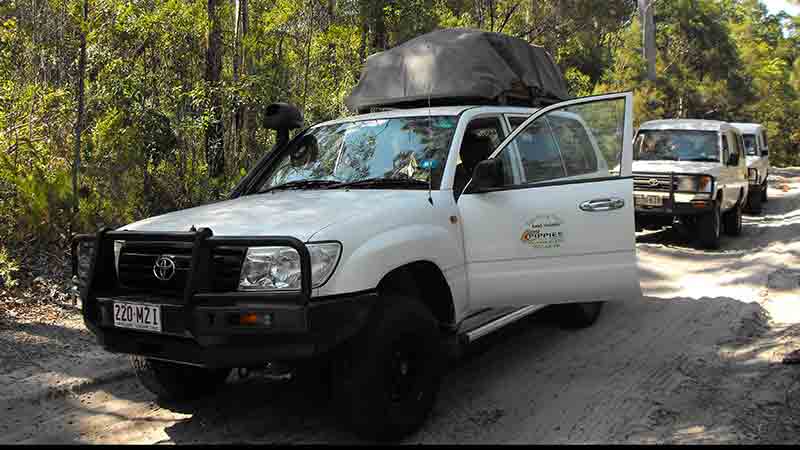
(575,146)
(579,141)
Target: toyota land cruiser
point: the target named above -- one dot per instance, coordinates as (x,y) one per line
(378,244)
(692,173)
(755,145)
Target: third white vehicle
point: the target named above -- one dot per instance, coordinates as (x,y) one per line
(755,146)
(690,173)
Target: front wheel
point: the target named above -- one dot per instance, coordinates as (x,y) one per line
(171,381)
(733,220)
(755,202)
(708,228)
(387,387)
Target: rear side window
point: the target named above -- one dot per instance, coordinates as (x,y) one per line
(575,145)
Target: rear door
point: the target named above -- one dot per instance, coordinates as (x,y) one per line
(561,228)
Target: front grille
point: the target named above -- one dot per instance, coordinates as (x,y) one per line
(137,261)
(645,183)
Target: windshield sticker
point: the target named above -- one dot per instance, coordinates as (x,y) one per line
(544,232)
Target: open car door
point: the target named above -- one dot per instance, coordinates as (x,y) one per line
(560,226)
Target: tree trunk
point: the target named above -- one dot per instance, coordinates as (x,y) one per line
(379,40)
(646,12)
(308,54)
(215,156)
(76,165)
(236,119)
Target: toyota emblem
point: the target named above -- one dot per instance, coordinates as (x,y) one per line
(164,268)
(653,182)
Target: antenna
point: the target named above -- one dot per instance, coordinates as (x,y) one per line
(430,134)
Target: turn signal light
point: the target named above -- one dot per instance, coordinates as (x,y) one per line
(262,319)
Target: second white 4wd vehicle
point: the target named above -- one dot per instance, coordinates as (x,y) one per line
(691,173)
(755,145)
(379,244)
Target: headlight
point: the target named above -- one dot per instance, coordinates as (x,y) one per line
(701,183)
(278,268)
(752,174)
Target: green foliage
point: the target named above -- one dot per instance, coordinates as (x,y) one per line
(148,103)
(7,269)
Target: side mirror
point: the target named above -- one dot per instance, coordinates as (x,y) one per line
(487,174)
(764,152)
(282,116)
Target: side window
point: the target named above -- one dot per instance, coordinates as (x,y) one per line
(516,121)
(480,139)
(488,127)
(575,146)
(725,148)
(740,144)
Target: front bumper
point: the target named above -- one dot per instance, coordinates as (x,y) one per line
(676,209)
(199,329)
(673,201)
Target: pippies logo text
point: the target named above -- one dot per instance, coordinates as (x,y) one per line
(544,232)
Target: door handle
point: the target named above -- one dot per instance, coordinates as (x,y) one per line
(602,204)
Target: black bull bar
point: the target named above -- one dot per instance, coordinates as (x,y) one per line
(102,278)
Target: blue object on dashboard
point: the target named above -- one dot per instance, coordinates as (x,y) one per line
(429,164)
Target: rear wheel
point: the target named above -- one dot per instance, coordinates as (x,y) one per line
(388,383)
(708,227)
(171,381)
(579,315)
(733,220)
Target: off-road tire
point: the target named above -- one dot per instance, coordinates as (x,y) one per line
(754,205)
(579,315)
(387,386)
(709,228)
(171,381)
(733,220)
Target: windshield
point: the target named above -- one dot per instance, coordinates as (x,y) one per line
(749,143)
(408,148)
(676,145)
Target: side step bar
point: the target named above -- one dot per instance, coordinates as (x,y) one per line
(501,321)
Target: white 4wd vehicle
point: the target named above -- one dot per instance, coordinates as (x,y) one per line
(691,172)
(351,244)
(755,146)
(376,246)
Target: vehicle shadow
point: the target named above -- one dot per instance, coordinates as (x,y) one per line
(503,382)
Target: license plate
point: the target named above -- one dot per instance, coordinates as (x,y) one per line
(137,316)
(649,200)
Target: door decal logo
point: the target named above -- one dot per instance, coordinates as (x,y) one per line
(544,232)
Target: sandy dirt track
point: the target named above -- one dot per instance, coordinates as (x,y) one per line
(697,359)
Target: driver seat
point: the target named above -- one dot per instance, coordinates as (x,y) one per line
(474,149)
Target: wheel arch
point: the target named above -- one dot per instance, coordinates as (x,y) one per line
(423,280)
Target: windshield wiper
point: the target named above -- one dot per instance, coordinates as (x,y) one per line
(382,181)
(301,184)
